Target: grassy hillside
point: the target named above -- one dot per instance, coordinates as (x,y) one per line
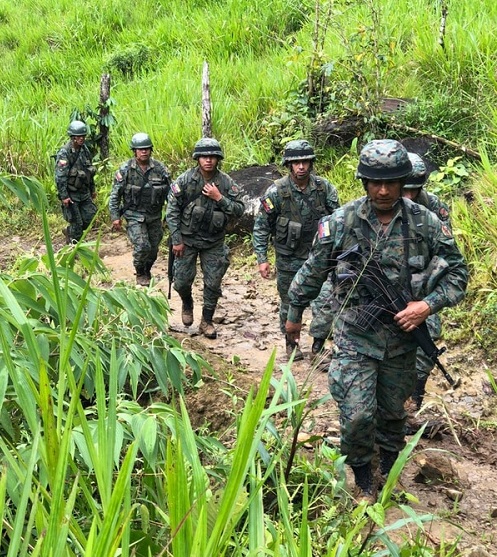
(54,53)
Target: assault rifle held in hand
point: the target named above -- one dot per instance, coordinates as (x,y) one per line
(170,267)
(387,301)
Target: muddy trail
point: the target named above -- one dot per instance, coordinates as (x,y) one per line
(452,471)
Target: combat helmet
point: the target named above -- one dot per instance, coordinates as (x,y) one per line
(141,141)
(207,146)
(383,159)
(298,150)
(419,174)
(77,128)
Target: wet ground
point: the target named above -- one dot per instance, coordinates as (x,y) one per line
(460,485)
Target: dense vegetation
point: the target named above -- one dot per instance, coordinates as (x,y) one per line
(93,459)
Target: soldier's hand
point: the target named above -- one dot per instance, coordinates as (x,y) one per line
(412,316)
(265,270)
(179,250)
(211,191)
(116,225)
(67,201)
(293,331)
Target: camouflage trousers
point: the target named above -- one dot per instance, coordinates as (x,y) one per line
(424,364)
(284,278)
(79,215)
(324,309)
(370,395)
(145,237)
(214,263)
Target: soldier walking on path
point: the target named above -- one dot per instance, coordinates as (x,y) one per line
(140,189)
(373,369)
(289,215)
(201,202)
(74,174)
(415,191)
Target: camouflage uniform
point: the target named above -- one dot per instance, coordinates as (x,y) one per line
(74,174)
(416,181)
(290,218)
(200,223)
(139,197)
(373,373)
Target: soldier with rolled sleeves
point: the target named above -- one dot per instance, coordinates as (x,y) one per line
(74,174)
(415,191)
(373,371)
(201,203)
(289,215)
(138,195)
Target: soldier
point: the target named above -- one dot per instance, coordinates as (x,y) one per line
(138,194)
(373,369)
(289,215)
(414,191)
(74,174)
(200,204)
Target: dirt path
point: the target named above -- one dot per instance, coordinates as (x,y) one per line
(461,420)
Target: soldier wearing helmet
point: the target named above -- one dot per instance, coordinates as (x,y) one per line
(415,191)
(138,195)
(74,174)
(373,370)
(288,217)
(201,203)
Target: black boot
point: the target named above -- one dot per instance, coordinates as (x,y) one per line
(363,476)
(317,345)
(387,460)
(290,347)
(141,277)
(419,392)
(206,326)
(148,270)
(187,310)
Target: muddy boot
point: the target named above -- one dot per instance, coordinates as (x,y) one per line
(419,392)
(206,326)
(148,269)
(187,311)
(387,460)
(290,347)
(365,491)
(317,345)
(67,235)
(141,277)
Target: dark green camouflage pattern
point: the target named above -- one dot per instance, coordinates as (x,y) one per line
(319,194)
(384,355)
(139,197)
(74,174)
(203,240)
(383,159)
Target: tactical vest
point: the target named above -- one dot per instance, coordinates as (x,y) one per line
(356,230)
(81,171)
(293,235)
(200,214)
(144,192)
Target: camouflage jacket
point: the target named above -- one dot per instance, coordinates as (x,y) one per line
(289,217)
(137,193)
(435,205)
(195,219)
(427,264)
(74,173)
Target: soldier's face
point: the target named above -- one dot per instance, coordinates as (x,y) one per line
(411,193)
(384,194)
(300,169)
(78,140)
(143,155)
(207,163)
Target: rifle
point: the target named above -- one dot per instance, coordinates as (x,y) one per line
(387,301)
(170,266)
